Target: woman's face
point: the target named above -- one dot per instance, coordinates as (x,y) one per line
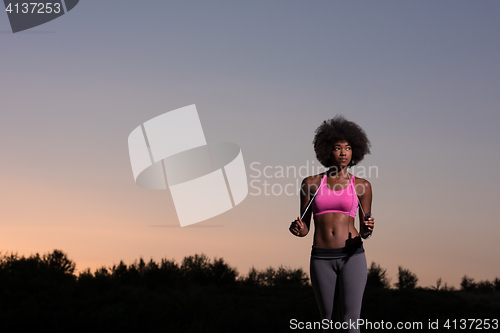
(341,153)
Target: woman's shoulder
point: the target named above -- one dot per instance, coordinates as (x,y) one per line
(315,179)
(362,182)
(312,183)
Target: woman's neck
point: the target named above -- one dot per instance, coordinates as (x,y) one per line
(338,172)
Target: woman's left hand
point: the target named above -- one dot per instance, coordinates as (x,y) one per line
(370,223)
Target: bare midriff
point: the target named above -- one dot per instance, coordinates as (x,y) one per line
(334,230)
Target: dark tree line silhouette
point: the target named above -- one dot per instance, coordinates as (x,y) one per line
(204,295)
(483,286)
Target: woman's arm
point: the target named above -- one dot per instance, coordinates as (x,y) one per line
(300,227)
(364,192)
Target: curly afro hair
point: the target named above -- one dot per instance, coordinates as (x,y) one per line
(339,129)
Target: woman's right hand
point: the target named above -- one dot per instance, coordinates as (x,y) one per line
(296,227)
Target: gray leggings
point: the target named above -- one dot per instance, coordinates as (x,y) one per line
(351,273)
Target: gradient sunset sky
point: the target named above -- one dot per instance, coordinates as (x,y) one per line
(421,77)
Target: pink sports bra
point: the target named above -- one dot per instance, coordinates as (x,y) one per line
(344,201)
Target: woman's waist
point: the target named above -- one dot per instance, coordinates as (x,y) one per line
(332,253)
(332,235)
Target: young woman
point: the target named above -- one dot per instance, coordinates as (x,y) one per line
(337,254)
